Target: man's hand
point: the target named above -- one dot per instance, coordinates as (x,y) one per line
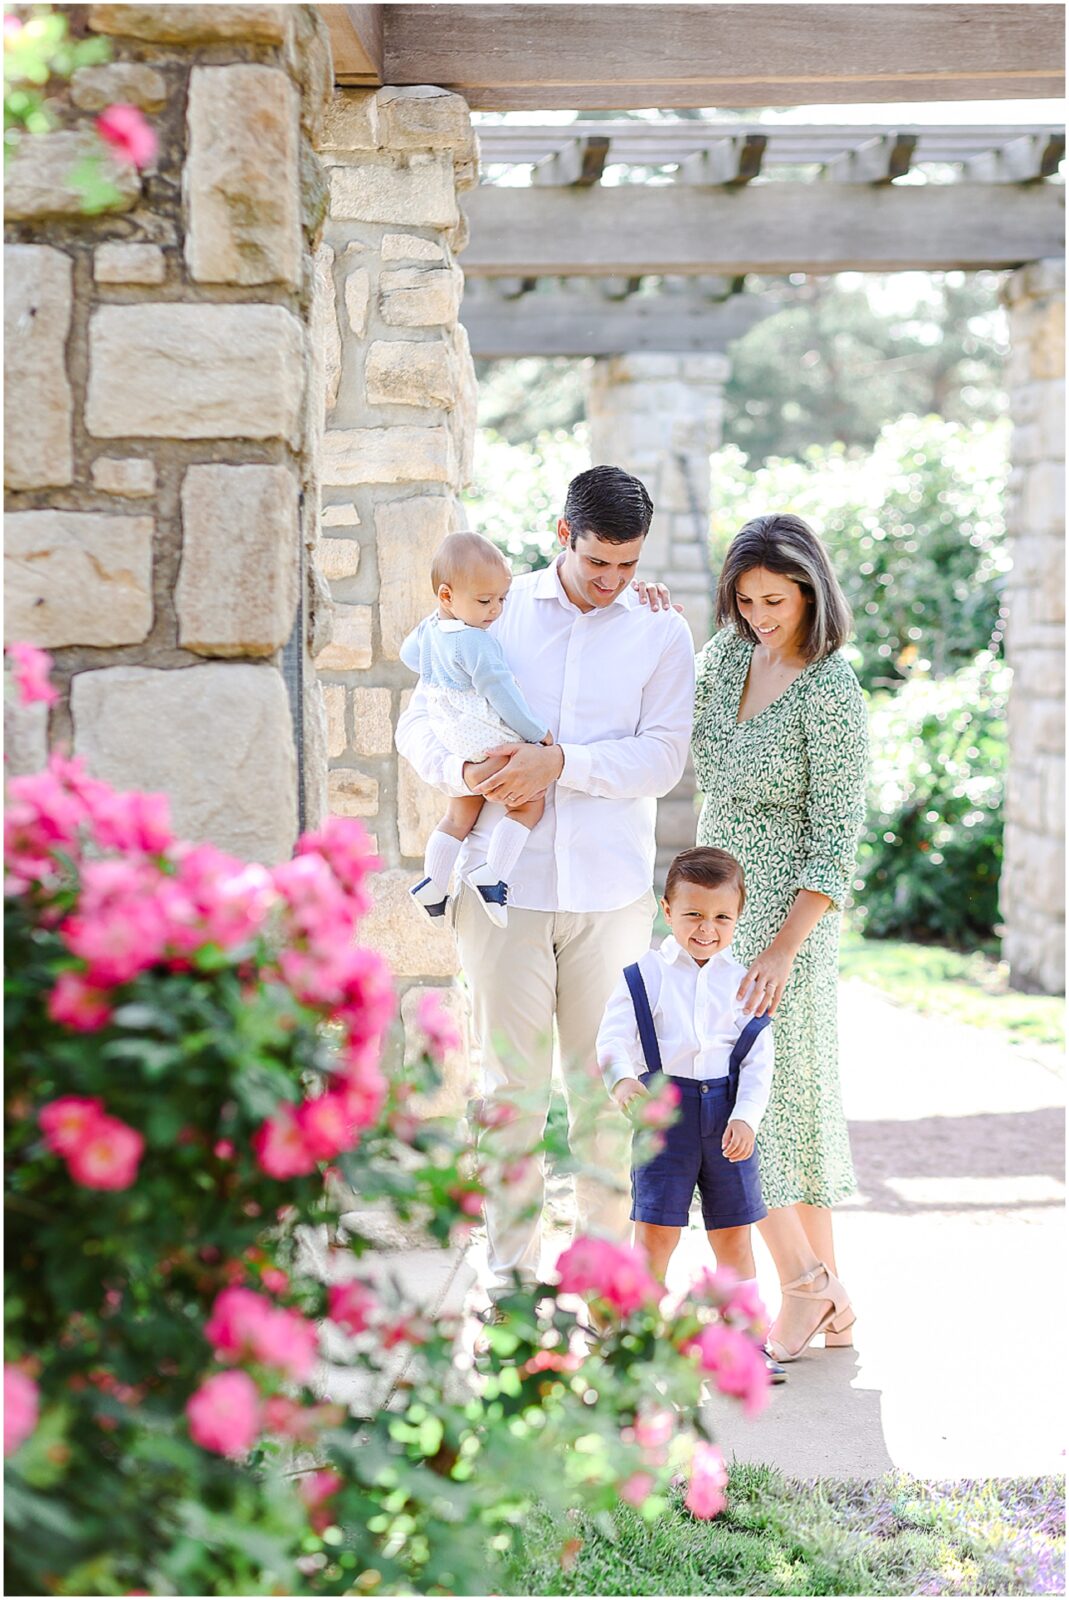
(629,1089)
(529,771)
(738,1141)
(655,595)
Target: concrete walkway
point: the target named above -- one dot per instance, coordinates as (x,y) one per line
(953,1250)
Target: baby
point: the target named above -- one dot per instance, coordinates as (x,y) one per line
(475,705)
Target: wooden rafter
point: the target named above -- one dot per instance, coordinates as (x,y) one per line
(728,164)
(581,321)
(878,160)
(579,165)
(356,43)
(631,229)
(576,56)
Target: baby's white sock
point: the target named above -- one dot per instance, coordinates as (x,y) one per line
(440,859)
(506,845)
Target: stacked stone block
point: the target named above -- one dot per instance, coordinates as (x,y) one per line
(1033,876)
(163,418)
(660,417)
(400,422)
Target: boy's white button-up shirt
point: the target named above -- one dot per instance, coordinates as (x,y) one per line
(697,1020)
(615,687)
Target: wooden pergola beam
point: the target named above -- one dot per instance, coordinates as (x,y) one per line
(356,43)
(633,229)
(1024,160)
(878,160)
(603,57)
(560,322)
(727,164)
(579,165)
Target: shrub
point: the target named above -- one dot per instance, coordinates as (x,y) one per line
(193,1091)
(915,532)
(931,853)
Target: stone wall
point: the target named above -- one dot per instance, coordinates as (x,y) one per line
(162,416)
(660,417)
(400,423)
(1033,877)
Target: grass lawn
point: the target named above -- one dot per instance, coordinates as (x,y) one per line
(966,988)
(893,1536)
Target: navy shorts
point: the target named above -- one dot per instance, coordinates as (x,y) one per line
(662,1190)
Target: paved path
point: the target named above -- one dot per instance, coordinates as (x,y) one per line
(954,1253)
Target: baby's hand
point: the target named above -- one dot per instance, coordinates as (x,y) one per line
(626,1090)
(738,1141)
(548,739)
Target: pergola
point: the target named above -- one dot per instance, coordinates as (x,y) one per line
(631,241)
(695,206)
(618,57)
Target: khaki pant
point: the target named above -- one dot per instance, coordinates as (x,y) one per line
(549,965)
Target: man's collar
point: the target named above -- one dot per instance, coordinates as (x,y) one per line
(550,587)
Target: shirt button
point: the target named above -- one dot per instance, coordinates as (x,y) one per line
(705,1088)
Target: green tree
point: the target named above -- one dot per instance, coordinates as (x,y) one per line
(915,531)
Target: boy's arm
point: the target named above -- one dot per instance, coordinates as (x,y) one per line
(651,761)
(492,676)
(619,1052)
(755,1080)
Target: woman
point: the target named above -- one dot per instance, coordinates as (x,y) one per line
(779,751)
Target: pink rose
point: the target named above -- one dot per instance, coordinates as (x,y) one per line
(659,1110)
(344,845)
(66,1122)
(76,1004)
(31,674)
(326,1125)
(22,1401)
(279,1146)
(437,1026)
(108,1156)
(224,1414)
(274,1280)
(654,1431)
(315,1489)
(708,1480)
(736,1362)
(615,1274)
(636,1489)
(245,1326)
(286,1341)
(351,1305)
(131,822)
(128,135)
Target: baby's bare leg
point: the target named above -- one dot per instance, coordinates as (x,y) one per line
(528,814)
(461,815)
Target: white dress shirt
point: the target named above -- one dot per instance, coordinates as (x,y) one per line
(615,687)
(697,1020)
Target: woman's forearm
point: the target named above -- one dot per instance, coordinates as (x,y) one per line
(801,919)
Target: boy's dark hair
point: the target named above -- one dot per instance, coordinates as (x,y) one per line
(610,503)
(708,867)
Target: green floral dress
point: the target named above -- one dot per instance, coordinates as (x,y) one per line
(785,793)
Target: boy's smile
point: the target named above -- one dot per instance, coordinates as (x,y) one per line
(702,920)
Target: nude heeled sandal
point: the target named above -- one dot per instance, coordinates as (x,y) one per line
(838,1317)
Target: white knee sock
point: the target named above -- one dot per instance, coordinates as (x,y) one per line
(440,859)
(506,845)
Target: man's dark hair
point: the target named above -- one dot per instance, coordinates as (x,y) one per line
(609,503)
(709,868)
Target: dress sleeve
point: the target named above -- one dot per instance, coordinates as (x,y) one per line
(706,665)
(409,651)
(835,727)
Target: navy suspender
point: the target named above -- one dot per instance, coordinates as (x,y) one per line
(647,1033)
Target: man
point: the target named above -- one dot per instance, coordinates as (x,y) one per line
(615,686)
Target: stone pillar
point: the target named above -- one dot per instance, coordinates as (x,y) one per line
(160,421)
(660,417)
(400,426)
(1033,874)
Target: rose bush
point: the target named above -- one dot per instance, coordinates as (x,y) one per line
(194,1090)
